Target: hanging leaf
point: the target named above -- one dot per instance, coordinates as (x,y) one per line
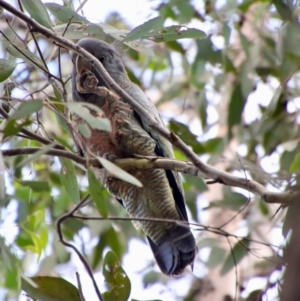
(235,109)
(144,29)
(27,56)
(7,67)
(64,14)
(68,179)
(108,238)
(238,252)
(116,278)
(50,289)
(295,166)
(216,256)
(94,122)
(27,108)
(173,33)
(79,31)
(119,173)
(38,12)
(36,185)
(95,189)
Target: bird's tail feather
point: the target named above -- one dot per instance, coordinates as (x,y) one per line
(176,251)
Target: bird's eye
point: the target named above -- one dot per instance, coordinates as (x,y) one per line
(102,59)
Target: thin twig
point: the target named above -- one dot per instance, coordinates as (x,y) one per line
(66,244)
(79,287)
(33,135)
(195,226)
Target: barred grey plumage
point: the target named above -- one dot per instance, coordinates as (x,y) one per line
(162,193)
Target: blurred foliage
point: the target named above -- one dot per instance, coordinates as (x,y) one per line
(238,83)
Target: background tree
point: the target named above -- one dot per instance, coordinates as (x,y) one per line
(231,96)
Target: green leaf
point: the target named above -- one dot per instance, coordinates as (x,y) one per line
(95,189)
(233,201)
(108,238)
(214,145)
(38,12)
(36,185)
(116,278)
(235,109)
(12,127)
(44,236)
(79,31)
(144,29)
(68,179)
(35,156)
(2,182)
(119,173)
(208,242)
(185,134)
(27,108)
(285,12)
(175,32)
(37,246)
(295,166)
(50,289)
(146,300)
(94,122)
(264,209)
(12,278)
(64,14)
(34,220)
(216,256)
(186,11)
(84,130)
(140,48)
(238,252)
(29,57)
(7,67)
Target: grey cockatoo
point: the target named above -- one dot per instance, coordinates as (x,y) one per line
(162,193)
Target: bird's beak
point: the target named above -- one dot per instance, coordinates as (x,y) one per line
(82,65)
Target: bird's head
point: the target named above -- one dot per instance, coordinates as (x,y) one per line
(109,58)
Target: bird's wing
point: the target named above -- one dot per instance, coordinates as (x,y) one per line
(163,147)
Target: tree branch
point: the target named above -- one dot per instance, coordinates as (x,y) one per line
(33,135)
(149,162)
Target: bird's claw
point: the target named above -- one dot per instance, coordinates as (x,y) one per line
(110,157)
(86,82)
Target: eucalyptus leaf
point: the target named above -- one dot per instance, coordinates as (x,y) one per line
(48,288)
(93,121)
(238,252)
(175,32)
(95,189)
(69,180)
(144,29)
(27,108)
(28,57)
(7,67)
(64,14)
(38,11)
(119,173)
(116,278)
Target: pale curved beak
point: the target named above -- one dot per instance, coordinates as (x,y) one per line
(82,65)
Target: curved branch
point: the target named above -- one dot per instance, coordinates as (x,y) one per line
(33,135)
(67,244)
(148,162)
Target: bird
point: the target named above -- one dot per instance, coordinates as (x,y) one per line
(161,196)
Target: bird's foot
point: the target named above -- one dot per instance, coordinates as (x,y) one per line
(110,157)
(87,82)
(107,177)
